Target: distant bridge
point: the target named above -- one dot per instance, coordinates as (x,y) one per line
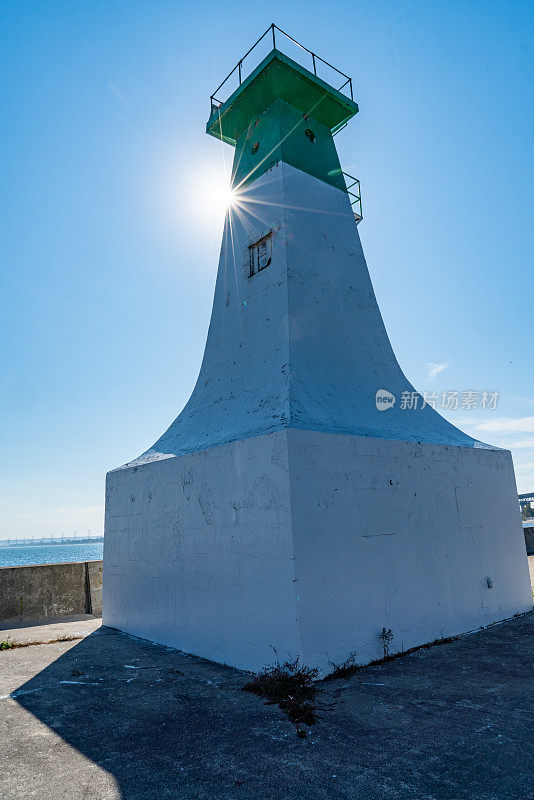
(47,540)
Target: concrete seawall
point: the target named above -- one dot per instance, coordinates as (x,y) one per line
(50,590)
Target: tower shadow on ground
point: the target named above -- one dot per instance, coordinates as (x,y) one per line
(448,722)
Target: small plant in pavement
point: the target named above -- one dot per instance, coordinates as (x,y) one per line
(291,687)
(386,636)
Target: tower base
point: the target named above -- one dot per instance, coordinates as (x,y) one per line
(300,543)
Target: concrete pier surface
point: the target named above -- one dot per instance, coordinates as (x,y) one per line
(109,716)
(73,626)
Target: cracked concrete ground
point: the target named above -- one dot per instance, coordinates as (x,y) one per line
(110,716)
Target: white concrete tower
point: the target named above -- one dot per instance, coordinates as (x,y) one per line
(283,510)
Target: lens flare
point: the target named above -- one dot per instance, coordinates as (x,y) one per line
(211,195)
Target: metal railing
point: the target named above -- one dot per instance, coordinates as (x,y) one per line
(354,193)
(216,102)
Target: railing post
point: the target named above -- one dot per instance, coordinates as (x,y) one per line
(314,67)
(350,84)
(274,40)
(239,65)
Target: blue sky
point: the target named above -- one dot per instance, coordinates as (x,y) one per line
(110,227)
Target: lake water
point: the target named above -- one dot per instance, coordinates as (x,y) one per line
(49,554)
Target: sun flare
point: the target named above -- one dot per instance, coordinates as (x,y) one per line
(224,196)
(212,195)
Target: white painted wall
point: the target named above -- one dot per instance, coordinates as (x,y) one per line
(305,543)
(281,509)
(403,536)
(198,554)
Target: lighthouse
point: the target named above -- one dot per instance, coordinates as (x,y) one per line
(296,507)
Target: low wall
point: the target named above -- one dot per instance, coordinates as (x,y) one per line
(529,540)
(50,590)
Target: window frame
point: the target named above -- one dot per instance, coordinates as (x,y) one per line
(256,264)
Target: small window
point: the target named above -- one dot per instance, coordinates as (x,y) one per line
(260,254)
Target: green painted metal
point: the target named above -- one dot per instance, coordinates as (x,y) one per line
(279,78)
(355,195)
(283,133)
